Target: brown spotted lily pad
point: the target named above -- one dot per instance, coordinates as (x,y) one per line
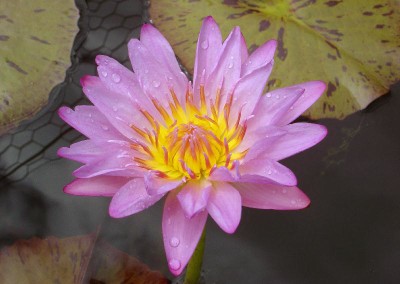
(352,45)
(71,260)
(36,38)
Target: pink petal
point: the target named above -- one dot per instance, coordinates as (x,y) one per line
(158,185)
(131,198)
(225,206)
(194,196)
(154,77)
(260,57)
(273,106)
(299,137)
(312,91)
(121,80)
(248,91)
(272,196)
(118,109)
(244,54)
(180,234)
(223,174)
(90,122)
(96,186)
(209,46)
(262,144)
(115,161)
(88,151)
(263,170)
(162,52)
(227,70)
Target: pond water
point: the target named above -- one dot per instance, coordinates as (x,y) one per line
(349,234)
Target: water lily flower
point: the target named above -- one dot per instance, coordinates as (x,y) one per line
(211,146)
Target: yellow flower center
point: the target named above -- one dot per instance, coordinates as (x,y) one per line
(192,140)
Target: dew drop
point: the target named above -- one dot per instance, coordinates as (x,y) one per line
(268,95)
(230,65)
(174,264)
(114,108)
(105,127)
(270,172)
(146,71)
(156,84)
(277,96)
(291,108)
(104,73)
(174,242)
(90,115)
(169,221)
(204,44)
(69,110)
(116,78)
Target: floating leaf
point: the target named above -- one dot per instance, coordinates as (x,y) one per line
(71,260)
(352,45)
(36,39)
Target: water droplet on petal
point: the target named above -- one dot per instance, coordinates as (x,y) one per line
(174,242)
(69,110)
(116,78)
(230,65)
(270,172)
(104,73)
(105,127)
(291,108)
(146,71)
(174,264)
(204,44)
(277,96)
(156,84)
(268,95)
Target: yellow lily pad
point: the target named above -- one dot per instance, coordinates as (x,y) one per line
(79,259)
(352,45)
(36,39)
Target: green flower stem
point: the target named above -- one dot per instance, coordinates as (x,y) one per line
(194,267)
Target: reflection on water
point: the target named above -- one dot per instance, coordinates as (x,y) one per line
(350,233)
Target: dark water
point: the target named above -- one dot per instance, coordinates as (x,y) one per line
(349,234)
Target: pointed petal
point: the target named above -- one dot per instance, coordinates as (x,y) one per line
(96,186)
(158,185)
(227,70)
(194,197)
(123,81)
(154,77)
(312,91)
(222,174)
(110,162)
(162,51)
(90,122)
(180,234)
(272,196)
(248,90)
(118,109)
(261,145)
(273,106)
(131,198)
(260,57)
(299,137)
(209,46)
(264,170)
(87,151)
(225,206)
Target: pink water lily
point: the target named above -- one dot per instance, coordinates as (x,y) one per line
(210,147)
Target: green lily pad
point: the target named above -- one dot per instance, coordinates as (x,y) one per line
(79,259)
(352,45)
(36,39)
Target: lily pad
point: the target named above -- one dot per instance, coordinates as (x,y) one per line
(36,39)
(352,45)
(71,260)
